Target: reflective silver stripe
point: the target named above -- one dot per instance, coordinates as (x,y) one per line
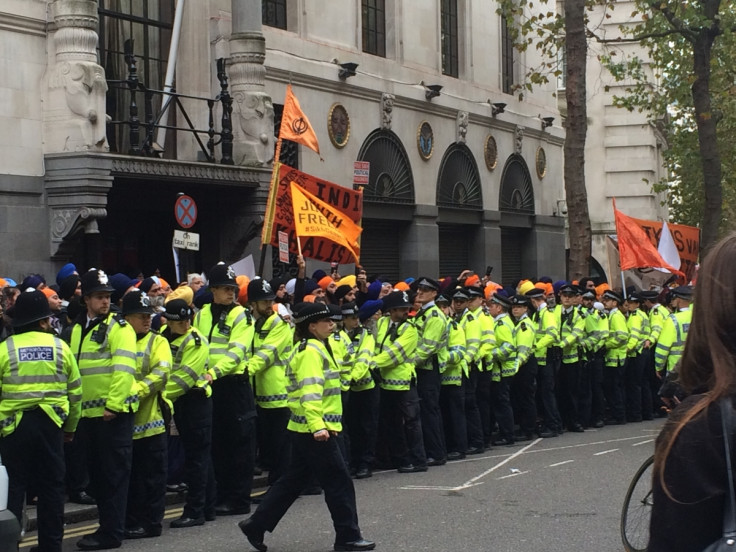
(124,368)
(74,384)
(125,354)
(146,362)
(32,395)
(312,396)
(313,381)
(263,356)
(100,355)
(20,380)
(188,371)
(219,340)
(218,351)
(331,391)
(181,382)
(238,319)
(233,356)
(182,346)
(12,357)
(237,345)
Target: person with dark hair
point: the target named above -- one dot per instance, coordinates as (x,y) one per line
(39,410)
(316,420)
(690,483)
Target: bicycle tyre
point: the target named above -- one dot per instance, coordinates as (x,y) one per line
(637,509)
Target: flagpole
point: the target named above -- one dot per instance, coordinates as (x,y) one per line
(623,284)
(270,208)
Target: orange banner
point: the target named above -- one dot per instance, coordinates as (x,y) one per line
(346,201)
(314,217)
(687,240)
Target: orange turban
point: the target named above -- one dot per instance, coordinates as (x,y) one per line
(402,286)
(325,282)
(472,280)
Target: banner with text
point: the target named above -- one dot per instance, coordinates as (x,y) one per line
(687,240)
(345,201)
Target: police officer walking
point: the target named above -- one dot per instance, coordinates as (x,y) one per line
(229,330)
(316,414)
(105,347)
(40,406)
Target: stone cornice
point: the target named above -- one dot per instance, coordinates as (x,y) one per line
(531,125)
(188,171)
(21,24)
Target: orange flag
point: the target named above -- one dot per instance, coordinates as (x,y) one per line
(314,217)
(294,123)
(634,246)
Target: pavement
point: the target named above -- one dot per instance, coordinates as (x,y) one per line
(77,513)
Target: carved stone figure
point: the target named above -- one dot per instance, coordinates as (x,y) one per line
(253,128)
(387,106)
(462,126)
(518,139)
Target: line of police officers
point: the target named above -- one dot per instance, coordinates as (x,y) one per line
(416,390)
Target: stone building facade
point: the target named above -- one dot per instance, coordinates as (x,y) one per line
(469,177)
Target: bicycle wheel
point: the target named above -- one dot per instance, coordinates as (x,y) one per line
(637,509)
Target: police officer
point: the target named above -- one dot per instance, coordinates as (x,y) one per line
(362,412)
(472,330)
(147,490)
(613,373)
(596,331)
(524,382)
(572,330)
(229,331)
(503,367)
(431,328)
(267,365)
(316,414)
(657,315)
(105,347)
(40,407)
(400,422)
(547,332)
(452,394)
(638,326)
(190,393)
(671,342)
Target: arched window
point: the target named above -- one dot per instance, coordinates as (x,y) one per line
(391,179)
(458,184)
(517,191)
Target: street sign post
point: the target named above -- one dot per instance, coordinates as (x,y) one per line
(185,211)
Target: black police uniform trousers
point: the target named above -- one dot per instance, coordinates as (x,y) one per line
(34,456)
(147,489)
(567,392)
(77,474)
(472,413)
(109,448)
(401,426)
(546,373)
(428,387)
(452,403)
(501,399)
(362,418)
(233,440)
(324,461)
(613,389)
(273,441)
(483,399)
(523,396)
(633,374)
(590,396)
(650,384)
(193,418)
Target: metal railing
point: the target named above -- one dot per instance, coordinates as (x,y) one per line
(141,134)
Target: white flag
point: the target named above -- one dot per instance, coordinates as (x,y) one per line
(667,248)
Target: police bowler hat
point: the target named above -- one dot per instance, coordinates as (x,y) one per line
(396,300)
(30,306)
(177,309)
(260,290)
(94,281)
(222,275)
(136,302)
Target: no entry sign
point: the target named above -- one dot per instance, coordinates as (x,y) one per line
(185,211)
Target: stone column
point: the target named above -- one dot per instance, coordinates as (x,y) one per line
(74,114)
(253,139)
(420,255)
(486,247)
